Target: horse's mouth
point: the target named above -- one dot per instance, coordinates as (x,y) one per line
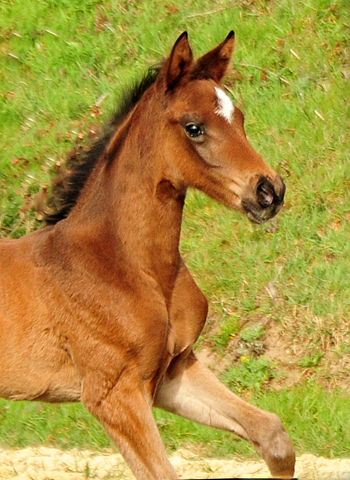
(254,218)
(260,215)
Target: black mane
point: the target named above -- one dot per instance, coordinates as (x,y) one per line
(66,188)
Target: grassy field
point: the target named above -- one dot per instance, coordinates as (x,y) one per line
(278,329)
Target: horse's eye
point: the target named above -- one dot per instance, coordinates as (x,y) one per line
(194,130)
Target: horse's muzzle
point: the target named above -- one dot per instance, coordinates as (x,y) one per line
(268,201)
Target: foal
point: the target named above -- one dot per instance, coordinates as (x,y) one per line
(99,306)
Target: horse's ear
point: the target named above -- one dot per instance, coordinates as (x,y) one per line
(180,59)
(216,62)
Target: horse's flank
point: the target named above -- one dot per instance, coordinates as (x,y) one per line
(99,306)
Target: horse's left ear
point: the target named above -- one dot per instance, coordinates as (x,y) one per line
(216,62)
(179,62)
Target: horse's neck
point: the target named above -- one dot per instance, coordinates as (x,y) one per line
(148,215)
(132,212)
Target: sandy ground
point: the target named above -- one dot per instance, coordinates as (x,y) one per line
(52,464)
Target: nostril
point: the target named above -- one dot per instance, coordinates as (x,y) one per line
(265,193)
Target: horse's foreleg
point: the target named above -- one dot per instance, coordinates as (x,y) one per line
(127,417)
(192,391)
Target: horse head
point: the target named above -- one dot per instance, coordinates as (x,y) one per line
(205,141)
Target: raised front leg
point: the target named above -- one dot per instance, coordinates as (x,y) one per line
(192,391)
(125,413)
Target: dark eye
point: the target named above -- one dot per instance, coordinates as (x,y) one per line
(194,130)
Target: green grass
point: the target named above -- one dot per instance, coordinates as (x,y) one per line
(66,426)
(311,415)
(63,65)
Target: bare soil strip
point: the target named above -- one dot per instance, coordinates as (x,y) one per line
(52,464)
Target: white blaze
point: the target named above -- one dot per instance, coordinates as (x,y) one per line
(225,106)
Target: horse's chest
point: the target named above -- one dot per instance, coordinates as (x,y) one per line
(187,317)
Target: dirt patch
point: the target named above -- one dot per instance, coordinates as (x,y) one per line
(52,464)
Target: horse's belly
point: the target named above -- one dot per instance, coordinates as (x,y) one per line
(35,362)
(26,382)
(34,365)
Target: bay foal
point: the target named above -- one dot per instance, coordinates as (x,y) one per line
(99,307)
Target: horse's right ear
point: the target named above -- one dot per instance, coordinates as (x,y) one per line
(179,62)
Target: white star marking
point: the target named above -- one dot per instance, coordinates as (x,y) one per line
(225,107)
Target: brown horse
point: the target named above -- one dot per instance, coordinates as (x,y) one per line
(99,307)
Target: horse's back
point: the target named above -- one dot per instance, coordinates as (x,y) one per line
(34,363)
